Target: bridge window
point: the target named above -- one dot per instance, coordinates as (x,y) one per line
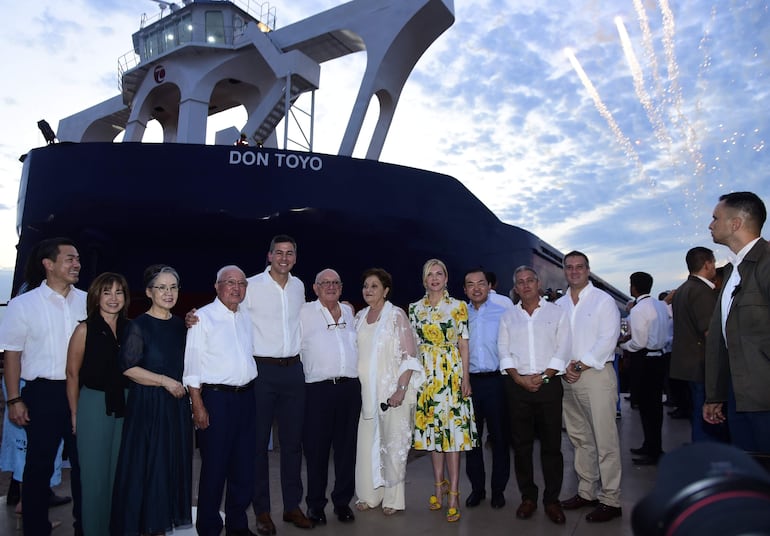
(215,27)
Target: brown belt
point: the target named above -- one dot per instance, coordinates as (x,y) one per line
(278,361)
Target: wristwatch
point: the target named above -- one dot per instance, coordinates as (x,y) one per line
(545,377)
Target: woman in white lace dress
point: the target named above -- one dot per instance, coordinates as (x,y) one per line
(390,375)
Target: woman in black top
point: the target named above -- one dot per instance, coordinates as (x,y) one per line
(96,394)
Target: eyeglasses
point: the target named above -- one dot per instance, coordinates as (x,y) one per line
(230,283)
(338,325)
(165,288)
(329,283)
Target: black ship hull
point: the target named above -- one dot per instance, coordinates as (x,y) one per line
(198,207)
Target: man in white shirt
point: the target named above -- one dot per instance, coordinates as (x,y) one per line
(590,392)
(333,397)
(738,340)
(649,333)
(219,371)
(273,301)
(35,333)
(534,346)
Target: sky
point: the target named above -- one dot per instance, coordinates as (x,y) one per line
(611,127)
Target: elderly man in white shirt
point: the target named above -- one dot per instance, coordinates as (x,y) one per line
(333,397)
(534,346)
(35,333)
(219,371)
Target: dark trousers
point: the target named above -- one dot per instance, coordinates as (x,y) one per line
(634,376)
(228,452)
(489,406)
(49,423)
(280,395)
(701,430)
(652,371)
(536,416)
(331,421)
(749,430)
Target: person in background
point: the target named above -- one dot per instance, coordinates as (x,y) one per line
(738,340)
(153,480)
(444,422)
(649,324)
(96,394)
(390,374)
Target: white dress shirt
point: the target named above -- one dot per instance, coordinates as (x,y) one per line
(39,324)
(218,348)
(329,348)
(649,323)
(274,313)
(595,323)
(533,343)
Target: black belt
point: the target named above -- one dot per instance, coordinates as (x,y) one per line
(228,388)
(485,374)
(339,379)
(45,380)
(278,361)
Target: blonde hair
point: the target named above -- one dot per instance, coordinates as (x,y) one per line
(428,265)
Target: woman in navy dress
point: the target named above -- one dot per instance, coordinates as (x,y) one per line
(153,485)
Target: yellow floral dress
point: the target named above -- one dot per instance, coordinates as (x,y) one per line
(444,419)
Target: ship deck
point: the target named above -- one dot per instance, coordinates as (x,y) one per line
(417,519)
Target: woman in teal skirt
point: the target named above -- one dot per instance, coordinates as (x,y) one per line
(96,394)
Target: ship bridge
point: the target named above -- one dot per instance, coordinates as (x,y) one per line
(203,57)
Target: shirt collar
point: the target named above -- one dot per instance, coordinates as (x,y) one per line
(711,285)
(738,258)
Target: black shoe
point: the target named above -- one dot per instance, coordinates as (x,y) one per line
(603,513)
(475,498)
(316,517)
(641,451)
(646,460)
(344,513)
(239,532)
(58,500)
(498,500)
(14,493)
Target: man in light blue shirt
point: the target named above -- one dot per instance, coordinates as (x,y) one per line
(488,394)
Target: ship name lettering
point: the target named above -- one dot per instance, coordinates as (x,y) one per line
(248,158)
(294,161)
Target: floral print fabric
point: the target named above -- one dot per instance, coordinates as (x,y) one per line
(443,419)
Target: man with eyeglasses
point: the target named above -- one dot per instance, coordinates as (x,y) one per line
(219,371)
(273,301)
(333,398)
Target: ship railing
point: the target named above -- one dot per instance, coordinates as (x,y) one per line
(262,11)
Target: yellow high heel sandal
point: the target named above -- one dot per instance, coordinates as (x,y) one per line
(435,501)
(453,513)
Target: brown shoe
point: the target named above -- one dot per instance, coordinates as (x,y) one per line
(573,503)
(298,518)
(265,525)
(526,509)
(604,513)
(555,513)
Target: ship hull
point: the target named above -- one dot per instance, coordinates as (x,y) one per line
(200,207)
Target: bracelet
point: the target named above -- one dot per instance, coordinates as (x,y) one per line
(13,401)
(403,387)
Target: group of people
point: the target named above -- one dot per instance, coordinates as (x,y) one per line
(126,397)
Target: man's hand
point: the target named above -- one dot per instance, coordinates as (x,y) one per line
(18,414)
(200,416)
(713,413)
(190,319)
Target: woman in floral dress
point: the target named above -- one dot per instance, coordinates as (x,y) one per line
(444,421)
